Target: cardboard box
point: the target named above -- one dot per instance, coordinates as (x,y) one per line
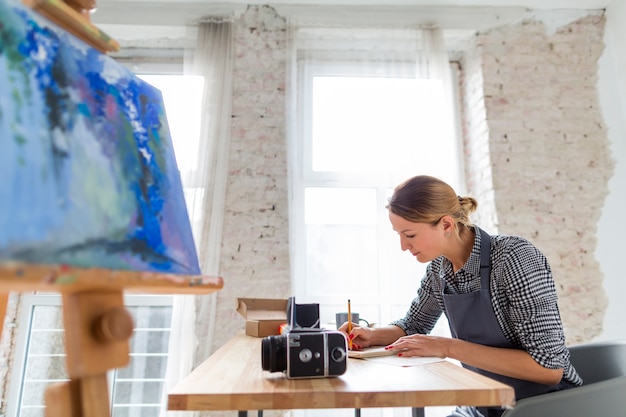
(263,315)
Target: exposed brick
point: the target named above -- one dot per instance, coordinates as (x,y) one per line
(548,151)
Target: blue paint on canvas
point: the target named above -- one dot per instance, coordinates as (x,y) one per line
(87,169)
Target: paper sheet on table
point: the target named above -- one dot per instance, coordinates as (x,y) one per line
(403,360)
(371,352)
(382,355)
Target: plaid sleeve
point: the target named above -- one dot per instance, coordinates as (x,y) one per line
(528,301)
(425,308)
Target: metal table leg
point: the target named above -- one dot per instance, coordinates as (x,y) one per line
(417,412)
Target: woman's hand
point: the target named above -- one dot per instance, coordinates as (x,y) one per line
(516,363)
(363,337)
(421,345)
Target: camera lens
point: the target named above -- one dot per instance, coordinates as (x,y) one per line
(274,353)
(338,354)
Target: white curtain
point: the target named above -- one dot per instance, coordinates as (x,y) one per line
(393,51)
(193,316)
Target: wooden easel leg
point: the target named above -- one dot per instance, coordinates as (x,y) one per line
(97,329)
(84,397)
(61,400)
(94,392)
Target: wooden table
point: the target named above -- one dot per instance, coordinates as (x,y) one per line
(232,379)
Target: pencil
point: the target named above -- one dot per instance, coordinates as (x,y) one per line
(349,326)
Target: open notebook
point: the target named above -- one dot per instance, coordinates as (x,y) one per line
(371,352)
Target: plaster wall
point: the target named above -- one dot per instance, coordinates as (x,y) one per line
(611,227)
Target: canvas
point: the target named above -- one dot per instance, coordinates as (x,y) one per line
(88,175)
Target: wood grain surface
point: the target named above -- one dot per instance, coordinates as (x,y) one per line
(232,379)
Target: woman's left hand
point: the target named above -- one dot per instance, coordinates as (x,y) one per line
(421,345)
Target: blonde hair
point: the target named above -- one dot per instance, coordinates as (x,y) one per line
(425,199)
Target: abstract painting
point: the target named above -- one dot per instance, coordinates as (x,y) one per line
(88,175)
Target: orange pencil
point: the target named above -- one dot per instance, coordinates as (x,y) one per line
(349,326)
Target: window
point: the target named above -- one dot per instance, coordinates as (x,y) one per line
(135,390)
(363,127)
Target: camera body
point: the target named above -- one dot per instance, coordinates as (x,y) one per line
(305,352)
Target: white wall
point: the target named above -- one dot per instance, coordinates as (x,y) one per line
(612,227)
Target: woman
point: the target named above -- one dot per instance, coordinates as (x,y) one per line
(496,291)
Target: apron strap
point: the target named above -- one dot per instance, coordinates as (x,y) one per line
(485,258)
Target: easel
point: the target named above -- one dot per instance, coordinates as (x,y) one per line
(97,325)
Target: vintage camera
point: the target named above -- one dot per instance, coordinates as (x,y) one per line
(305,352)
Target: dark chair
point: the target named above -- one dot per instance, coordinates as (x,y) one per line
(602,365)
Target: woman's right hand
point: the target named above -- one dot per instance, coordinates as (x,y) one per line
(363,337)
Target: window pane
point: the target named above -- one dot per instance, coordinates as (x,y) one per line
(336,264)
(32,411)
(33,395)
(362,124)
(340,206)
(143,367)
(182,95)
(143,411)
(45,367)
(47,317)
(340,240)
(153,341)
(137,392)
(151,317)
(47,342)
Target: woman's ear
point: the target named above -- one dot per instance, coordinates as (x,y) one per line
(447,223)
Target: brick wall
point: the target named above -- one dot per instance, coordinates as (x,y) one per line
(537,136)
(255,248)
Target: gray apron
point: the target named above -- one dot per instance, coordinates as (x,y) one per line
(471,318)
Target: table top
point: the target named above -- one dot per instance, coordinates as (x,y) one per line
(233,379)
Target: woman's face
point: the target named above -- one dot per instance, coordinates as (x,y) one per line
(423,240)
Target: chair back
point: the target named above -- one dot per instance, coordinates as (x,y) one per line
(599,361)
(602,366)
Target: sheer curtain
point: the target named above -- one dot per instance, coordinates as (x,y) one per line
(193,316)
